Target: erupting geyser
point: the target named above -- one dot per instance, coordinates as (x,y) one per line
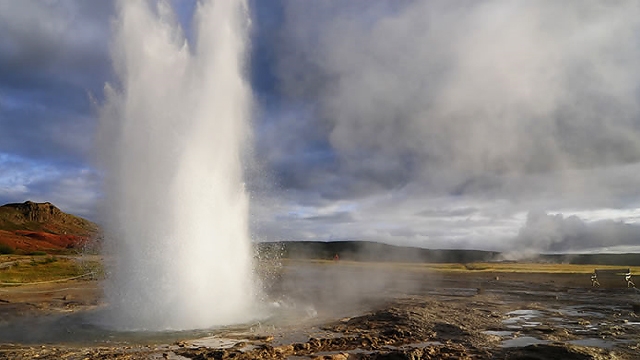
(171,144)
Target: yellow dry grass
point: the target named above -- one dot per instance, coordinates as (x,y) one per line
(490,267)
(16,270)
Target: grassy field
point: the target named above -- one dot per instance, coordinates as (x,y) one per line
(21,269)
(498,267)
(18,270)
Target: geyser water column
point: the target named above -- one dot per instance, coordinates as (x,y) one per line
(171,142)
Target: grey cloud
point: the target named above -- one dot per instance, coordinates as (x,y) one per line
(334,218)
(552,233)
(403,217)
(456,212)
(73,191)
(430,107)
(53,56)
(450,92)
(40,35)
(70,188)
(46,135)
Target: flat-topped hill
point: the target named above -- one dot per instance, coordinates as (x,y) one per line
(31,226)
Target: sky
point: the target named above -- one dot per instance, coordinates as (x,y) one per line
(496,125)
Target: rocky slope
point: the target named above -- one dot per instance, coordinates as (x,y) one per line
(29,226)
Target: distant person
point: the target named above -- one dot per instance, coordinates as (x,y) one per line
(594,280)
(627,278)
(336,257)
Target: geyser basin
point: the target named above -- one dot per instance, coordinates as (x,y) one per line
(171,142)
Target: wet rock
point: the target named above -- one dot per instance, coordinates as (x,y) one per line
(545,329)
(449,331)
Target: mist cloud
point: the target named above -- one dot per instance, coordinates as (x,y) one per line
(444,123)
(544,232)
(448,92)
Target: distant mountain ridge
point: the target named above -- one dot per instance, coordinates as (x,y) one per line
(30,226)
(371,251)
(374,251)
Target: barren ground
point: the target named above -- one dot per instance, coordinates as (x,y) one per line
(345,310)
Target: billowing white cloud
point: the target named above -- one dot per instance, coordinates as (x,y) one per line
(490,109)
(467,89)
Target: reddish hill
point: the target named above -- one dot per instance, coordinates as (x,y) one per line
(30,226)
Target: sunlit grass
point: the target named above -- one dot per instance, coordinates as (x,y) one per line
(30,269)
(525,268)
(35,269)
(489,267)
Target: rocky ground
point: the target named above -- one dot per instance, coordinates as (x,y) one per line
(355,311)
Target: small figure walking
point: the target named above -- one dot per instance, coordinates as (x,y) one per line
(627,278)
(594,280)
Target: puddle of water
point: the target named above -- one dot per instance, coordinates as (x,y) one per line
(498,333)
(293,335)
(531,324)
(525,313)
(516,321)
(215,342)
(522,341)
(522,316)
(452,291)
(84,328)
(581,311)
(593,342)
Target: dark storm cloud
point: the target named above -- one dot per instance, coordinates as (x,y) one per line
(267,18)
(53,59)
(53,55)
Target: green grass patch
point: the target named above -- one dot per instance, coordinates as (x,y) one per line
(37,253)
(6,249)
